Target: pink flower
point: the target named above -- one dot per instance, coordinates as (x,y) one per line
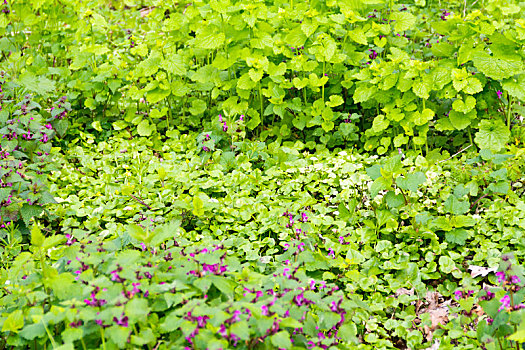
(501,276)
(505,302)
(499,93)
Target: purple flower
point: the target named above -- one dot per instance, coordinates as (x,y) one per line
(224,127)
(501,276)
(241,118)
(331,253)
(264,310)
(122,321)
(499,93)
(304,218)
(515,279)
(505,302)
(220,118)
(458,294)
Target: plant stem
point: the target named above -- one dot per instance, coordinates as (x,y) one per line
(261,104)
(509,110)
(102,336)
(322,88)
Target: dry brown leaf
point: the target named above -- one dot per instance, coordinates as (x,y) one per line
(476,271)
(404,291)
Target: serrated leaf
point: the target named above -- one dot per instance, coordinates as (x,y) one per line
(358,35)
(403,21)
(515,87)
(457,236)
(492,135)
(459,120)
(364,92)
(473,86)
(174,64)
(497,67)
(464,106)
(13,322)
(209,40)
(38,84)
(446,264)
(137,232)
(335,100)
(29,211)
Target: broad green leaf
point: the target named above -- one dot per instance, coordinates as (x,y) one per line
(174,64)
(464,106)
(358,35)
(295,37)
(411,182)
(380,184)
(380,123)
(207,39)
(308,27)
(35,330)
(460,120)
(198,206)
(403,21)
(14,321)
(145,128)
(241,330)
(29,211)
(515,87)
(37,238)
(497,67)
(457,236)
(394,200)
(364,92)
(137,232)
(38,84)
(454,206)
(98,21)
(137,309)
(446,264)
(281,340)
(473,86)
(492,135)
(335,100)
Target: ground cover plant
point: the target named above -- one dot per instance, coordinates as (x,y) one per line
(273,174)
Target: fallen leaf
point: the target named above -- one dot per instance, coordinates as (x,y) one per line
(476,271)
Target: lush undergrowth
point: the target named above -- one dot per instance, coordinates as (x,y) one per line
(263,175)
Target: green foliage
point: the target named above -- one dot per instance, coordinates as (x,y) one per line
(276,174)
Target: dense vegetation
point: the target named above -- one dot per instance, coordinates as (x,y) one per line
(341,174)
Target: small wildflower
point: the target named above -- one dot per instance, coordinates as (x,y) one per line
(505,302)
(501,276)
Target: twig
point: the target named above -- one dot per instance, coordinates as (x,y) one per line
(455,154)
(141,202)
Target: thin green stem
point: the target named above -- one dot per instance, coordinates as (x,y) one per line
(509,111)
(322,88)
(49,335)
(261,104)
(103,337)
